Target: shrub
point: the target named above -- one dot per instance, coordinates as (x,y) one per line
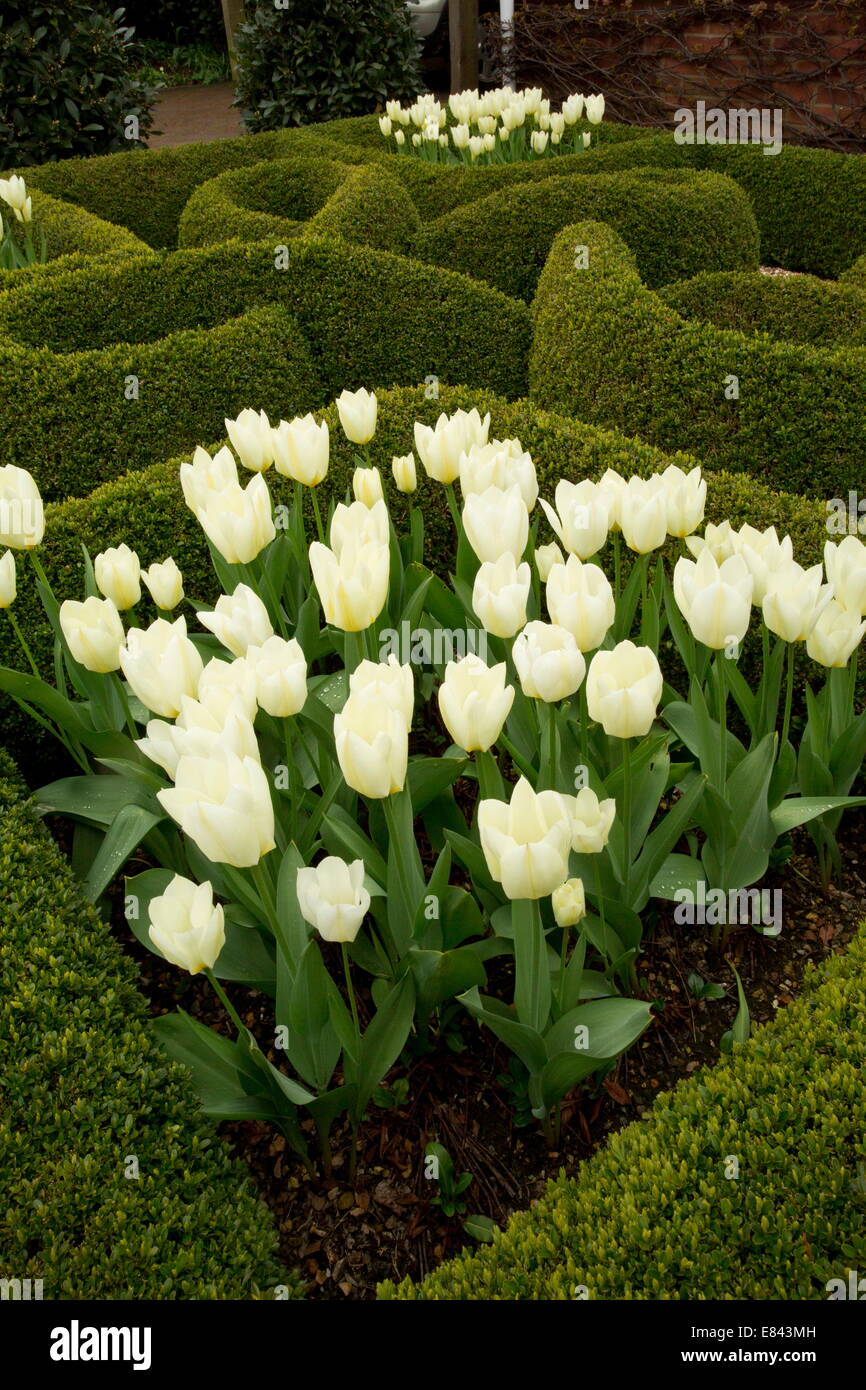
(677,222)
(149,506)
(65,84)
(799,417)
(315,60)
(85,1087)
(654,1214)
(798,308)
(177,21)
(856,273)
(365,317)
(69,229)
(370,207)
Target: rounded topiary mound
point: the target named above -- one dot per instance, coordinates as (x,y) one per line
(796,308)
(315,60)
(65,82)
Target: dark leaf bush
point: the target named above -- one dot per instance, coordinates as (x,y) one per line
(66,84)
(317,60)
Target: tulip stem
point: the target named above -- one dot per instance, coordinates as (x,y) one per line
(563,958)
(723,727)
(350,990)
(617,567)
(453,507)
(626,809)
(320,530)
(266,894)
(130,722)
(40,572)
(584,726)
(517,758)
(21,638)
(789,695)
(226,1002)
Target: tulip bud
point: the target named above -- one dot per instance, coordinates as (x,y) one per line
(548,662)
(302,450)
(572,108)
(623,688)
(594,108)
(591,821)
(386,683)
(580,599)
(581,518)
(794,600)
(538,141)
(240,620)
(367,486)
(280,669)
(686,498)
(440,449)
(8,588)
(474,702)
(238,521)
(460,136)
(586,139)
(165,583)
(22,517)
(845,564)
(117,572)
(526,842)
(352,584)
(333,899)
(496,523)
(252,439)
(569,903)
(546,556)
(403,469)
(93,633)
(206,476)
(372,742)
(399,137)
(357,411)
(161,665)
(385,125)
(643,514)
(836,634)
(223,803)
(715,600)
(186,926)
(499,595)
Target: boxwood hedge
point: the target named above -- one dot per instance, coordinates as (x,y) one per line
(608,349)
(86,1090)
(661,1213)
(181,324)
(796,308)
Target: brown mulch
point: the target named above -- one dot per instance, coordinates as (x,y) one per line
(346,1237)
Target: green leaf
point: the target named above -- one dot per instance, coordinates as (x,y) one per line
(429,777)
(441,975)
(95,798)
(525,1042)
(384,1040)
(678,871)
(796,810)
(126,832)
(531,970)
(611,1026)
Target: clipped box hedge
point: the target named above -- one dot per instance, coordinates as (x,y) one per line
(676,221)
(189,326)
(146,510)
(85,1087)
(609,350)
(796,308)
(654,1215)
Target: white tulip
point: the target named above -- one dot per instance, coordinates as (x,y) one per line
(623,689)
(385,125)
(591,821)
(503,463)
(357,524)
(161,665)
(612,487)
(8,588)
(165,583)
(352,584)
(643,514)
(201,730)
(837,633)
(357,411)
(845,564)
(569,903)
(302,450)
(223,803)
(238,521)
(403,470)
(372,741)
(496,523)
(387,683)
(538,141)
(721,541)
(526,842)
(186,926)
(239,620)
(580,599)
(222,682)
(333,899)
(440,448)
(205,476)
(118,572)
(548,662)
(572,108)
(252,439)
(93,632)
(715,600)
(22,516)
(686,498)
(581,519)
(280,669)
(474,702)
(594,108)
(794,600)
(763,554)
(499,595)
(367,486)
(546,556)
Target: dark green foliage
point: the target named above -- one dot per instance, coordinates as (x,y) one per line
(65,82)
(366,318)
(656,1214)
(370,207)
(69,230)
(177,21)
(315,60)
(609,350)
(85,1087)
(676,222)
(797,309)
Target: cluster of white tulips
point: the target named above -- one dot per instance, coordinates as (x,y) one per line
(16,252)
(269,766)
(491,127)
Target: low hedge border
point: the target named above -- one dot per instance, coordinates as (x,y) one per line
(654,1215)
(609,350)
(146,510)
(86,1087)
(69,230)
(67,346)
(795,308)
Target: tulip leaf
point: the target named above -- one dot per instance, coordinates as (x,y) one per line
(661,841)
(441,975)
(293,934)
(427,930)
(678,871)
(95,798)
(848,752)
(461,916)
(313,1046)
(384,1039)
(525,1042)
(471,856)
(44,696)
(601,1028)
(797,810)
(342,835)
(429,777)
(126,832)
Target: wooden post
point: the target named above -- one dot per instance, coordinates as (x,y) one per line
(463,30)
(233,15)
